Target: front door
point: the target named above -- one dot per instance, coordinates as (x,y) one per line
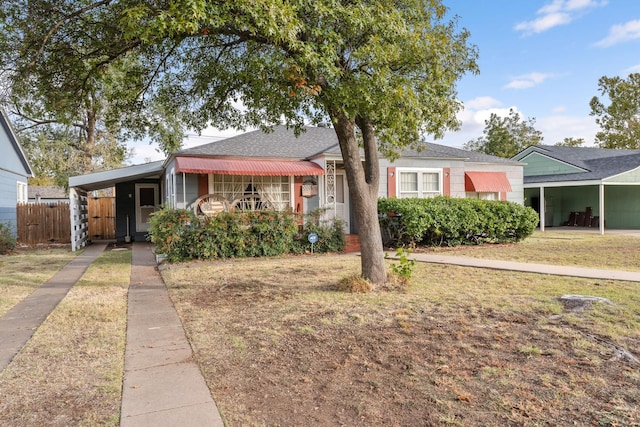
(342,200)
(146,203)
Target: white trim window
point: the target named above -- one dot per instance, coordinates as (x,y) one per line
(422,183)
(23,194)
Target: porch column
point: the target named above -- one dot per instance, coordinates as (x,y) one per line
(601,211)
(542,209)
(184,191)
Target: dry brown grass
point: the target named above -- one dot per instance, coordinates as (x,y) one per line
(280,345)
(621,252)
(70,372)
(24,271)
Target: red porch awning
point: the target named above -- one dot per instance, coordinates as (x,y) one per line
(220,166)
(486,182)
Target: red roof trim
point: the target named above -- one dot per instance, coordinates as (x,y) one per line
(218,166)
(486,182)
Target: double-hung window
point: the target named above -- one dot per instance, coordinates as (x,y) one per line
(22,192)
(419,183)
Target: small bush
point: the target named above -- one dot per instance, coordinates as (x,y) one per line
(330,233)
(404,267)
(449,222)
(7,239)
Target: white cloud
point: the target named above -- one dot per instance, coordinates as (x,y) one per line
(633,69)
(527,80)
(621,33)
(559,109)
(482,102)
(556,128)
(556,13)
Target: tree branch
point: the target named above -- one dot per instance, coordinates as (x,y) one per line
(58,24)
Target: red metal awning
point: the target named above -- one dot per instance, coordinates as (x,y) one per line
(219,166)
(486,182)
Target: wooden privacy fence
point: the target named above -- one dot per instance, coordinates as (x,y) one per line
(43,223)
(102,218)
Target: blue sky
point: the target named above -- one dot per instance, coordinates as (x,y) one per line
(541,58)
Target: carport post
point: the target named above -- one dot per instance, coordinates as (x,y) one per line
(542,208)
(601,210)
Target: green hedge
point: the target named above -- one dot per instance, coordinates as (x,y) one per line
(448,221)
(180,235)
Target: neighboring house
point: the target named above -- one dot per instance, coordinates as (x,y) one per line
(14,173)
(47,194)
(583,186)
(259,170)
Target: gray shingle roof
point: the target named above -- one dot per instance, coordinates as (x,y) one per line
(598,163)
(47,192)
(314,141)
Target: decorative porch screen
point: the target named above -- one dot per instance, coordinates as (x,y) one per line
(274,189)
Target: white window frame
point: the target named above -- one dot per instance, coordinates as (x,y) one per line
(421,193)
(22,192)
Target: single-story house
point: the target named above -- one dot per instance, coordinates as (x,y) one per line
(47,194)
(257,170)
(582,186)
(14,173)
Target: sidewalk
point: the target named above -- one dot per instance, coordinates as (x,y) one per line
(18,325)
(163,386)
(559,270)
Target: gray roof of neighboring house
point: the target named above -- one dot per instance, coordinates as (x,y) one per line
(313,141)
(598,163)
(47,192)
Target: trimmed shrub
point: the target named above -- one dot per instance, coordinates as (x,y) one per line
(180,235)
(446,221)
(7,239)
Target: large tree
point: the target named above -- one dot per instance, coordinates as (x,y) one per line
(382,71)
(506,136)
(58,85)
(620,120)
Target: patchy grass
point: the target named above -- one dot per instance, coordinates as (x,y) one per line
(70,372)
(618,252)
(25,271)
(280,345)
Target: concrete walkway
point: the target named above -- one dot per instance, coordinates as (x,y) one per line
(162,384)
(19,324)
(560,270)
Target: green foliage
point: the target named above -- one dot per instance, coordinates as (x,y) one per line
(447,221)
(505,136)
(181,235)
(7,239)
(404,266)
(620,120)
(571,142)
(330,233)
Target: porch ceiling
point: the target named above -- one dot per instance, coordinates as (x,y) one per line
(225,166)
(486,182)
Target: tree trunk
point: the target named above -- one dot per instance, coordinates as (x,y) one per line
(363,183)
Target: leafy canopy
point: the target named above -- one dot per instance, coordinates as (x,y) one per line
(506,136)
(620,120)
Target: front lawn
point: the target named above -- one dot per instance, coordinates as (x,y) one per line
(280,346)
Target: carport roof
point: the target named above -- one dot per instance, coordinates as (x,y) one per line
(106,179)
